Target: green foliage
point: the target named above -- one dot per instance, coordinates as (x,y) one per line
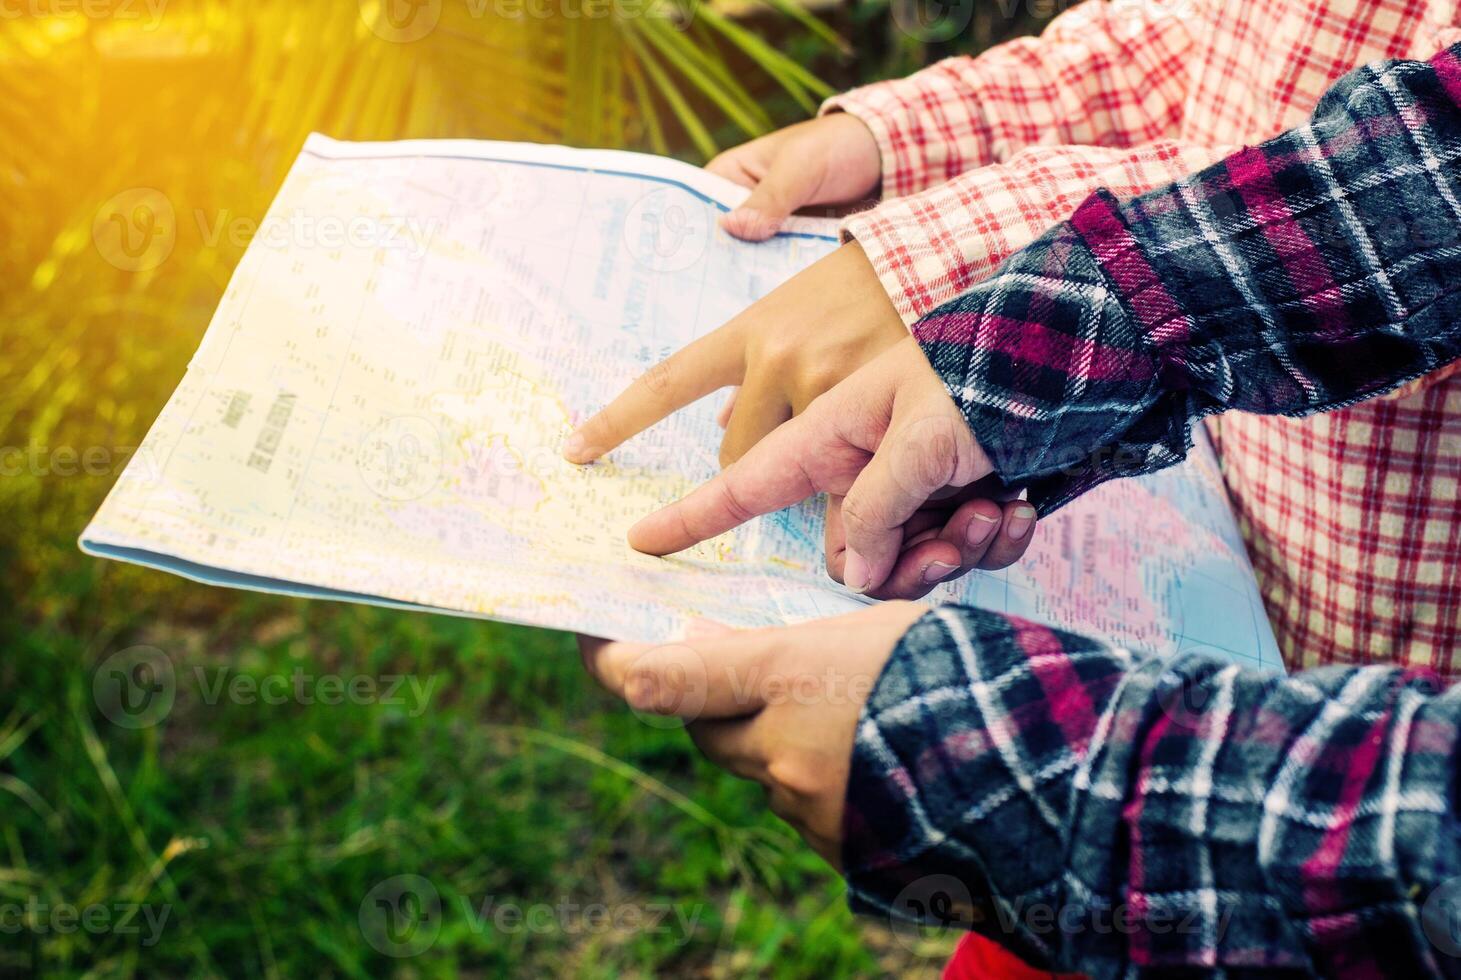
(503,778)
(261,829)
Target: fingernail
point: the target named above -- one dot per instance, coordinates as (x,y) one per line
(855,572)
(979,529)
(573,446)
(937,571)
(753,223)
(1021,521)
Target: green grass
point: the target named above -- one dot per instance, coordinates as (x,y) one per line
(252,832)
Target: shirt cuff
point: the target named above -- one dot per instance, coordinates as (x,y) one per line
(962,774)
(914,158)
(930,247)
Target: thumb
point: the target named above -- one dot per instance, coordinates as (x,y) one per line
(788,185)
(717,676)
(912,464)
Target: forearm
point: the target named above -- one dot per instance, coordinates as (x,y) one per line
(1104,809)
(1315,270)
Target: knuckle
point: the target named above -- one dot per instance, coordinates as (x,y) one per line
(657,379)
(813,381)
(860,514)
(777,353)
(733,505)
(791,774)
(929,455)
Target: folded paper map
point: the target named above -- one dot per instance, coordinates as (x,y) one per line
(376,411)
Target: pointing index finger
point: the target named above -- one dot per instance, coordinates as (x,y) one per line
(769,477)
(711,362)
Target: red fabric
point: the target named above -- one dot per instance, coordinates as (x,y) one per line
(977,958)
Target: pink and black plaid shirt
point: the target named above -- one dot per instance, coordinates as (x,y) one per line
(1090,807)
(1351,517)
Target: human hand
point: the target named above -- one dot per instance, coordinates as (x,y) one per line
(892,443)
(784,350)
(779,706)
(829,160)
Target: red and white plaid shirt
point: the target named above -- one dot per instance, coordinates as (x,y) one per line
(1352,518)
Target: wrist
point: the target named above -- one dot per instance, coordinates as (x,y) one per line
(873,298)
(859,151)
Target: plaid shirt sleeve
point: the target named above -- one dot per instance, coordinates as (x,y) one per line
(1315,270)
(1101,74)
(981,155)
(929,248)
(1125,816)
